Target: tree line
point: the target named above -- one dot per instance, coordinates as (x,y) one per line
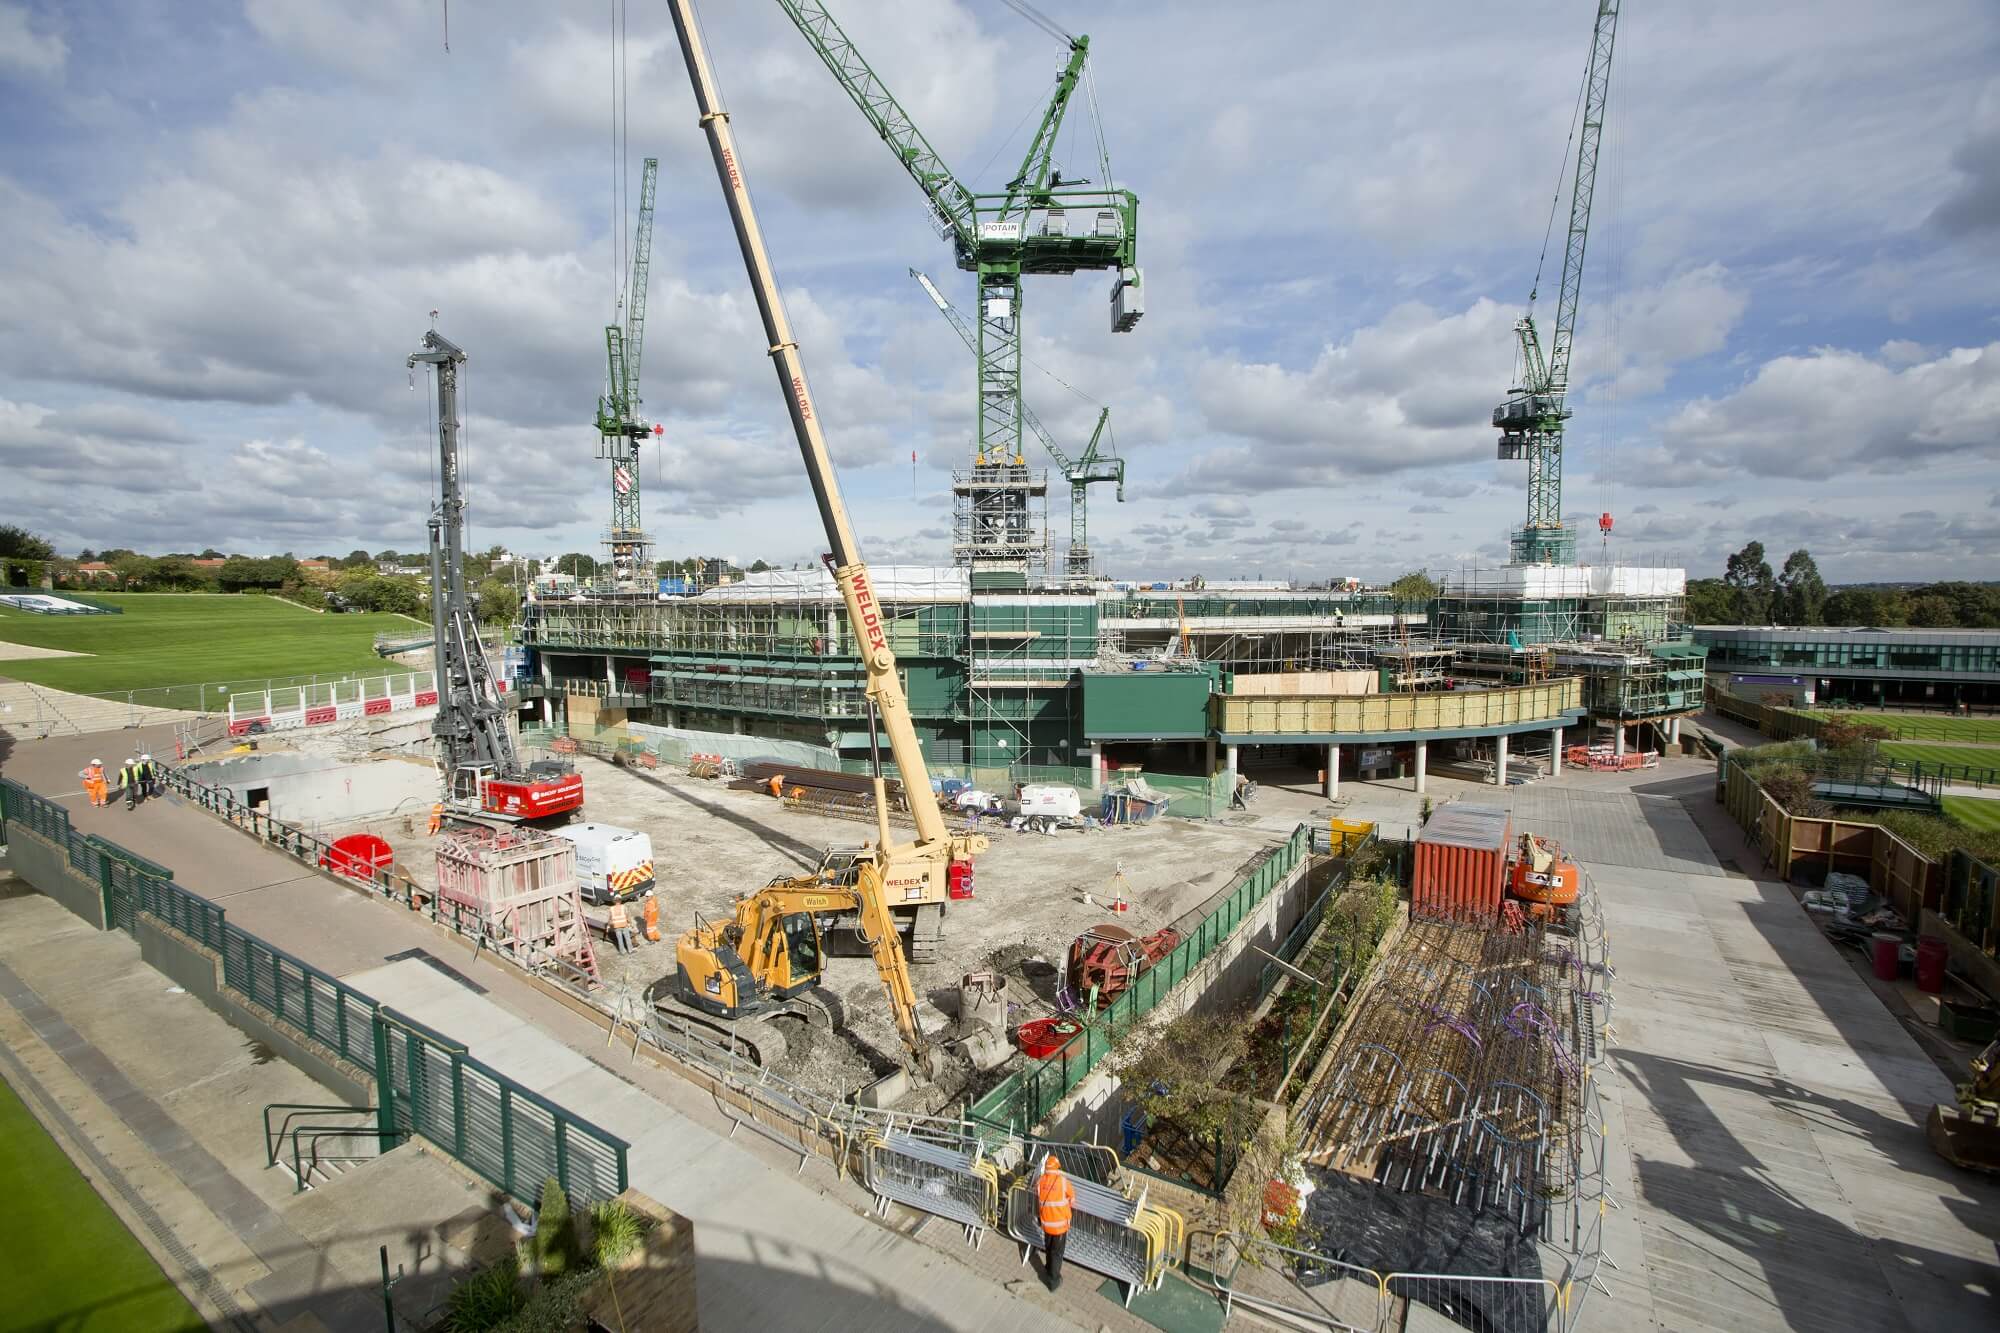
(1750,592)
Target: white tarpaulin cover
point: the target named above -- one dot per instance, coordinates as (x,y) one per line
(892,583)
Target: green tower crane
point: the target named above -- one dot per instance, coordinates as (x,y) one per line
(619,429)
(1081,472)
(1531,420)
(1039,223)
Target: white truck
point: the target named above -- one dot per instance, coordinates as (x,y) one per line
(611,862)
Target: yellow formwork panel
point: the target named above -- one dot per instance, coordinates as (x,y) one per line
(1376,713)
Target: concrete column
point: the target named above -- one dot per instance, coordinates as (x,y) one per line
(610,673)
(1618,745)
(1332,772)
(1555,751)
(1423,748)
(1674,732)
(1499,761)
(1094,756)
(1229,763)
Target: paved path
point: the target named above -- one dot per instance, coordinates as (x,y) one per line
(774,1249)
(1766,1116)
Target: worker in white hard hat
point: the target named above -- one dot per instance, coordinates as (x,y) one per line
(149,774)
(94,783)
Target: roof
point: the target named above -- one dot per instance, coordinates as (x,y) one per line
(1849,633)
(1459,825)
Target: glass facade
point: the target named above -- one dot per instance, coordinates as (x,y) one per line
(1929,653)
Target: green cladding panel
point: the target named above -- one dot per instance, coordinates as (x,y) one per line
(1145,705)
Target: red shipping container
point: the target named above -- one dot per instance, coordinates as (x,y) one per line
(1460,870)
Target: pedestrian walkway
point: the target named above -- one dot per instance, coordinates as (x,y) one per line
(774,1249)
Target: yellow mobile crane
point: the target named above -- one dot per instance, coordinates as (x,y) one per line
(753,964)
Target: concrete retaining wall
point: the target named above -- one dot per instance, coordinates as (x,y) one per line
(46,866)
(1226,980)
(199,969)
(313,790)
(187,963)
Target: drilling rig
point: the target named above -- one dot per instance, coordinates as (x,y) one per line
(484,780)
(1531,420)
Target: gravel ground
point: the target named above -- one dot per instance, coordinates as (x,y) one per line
(711,844)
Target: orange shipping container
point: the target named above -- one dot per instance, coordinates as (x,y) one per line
(1460,870)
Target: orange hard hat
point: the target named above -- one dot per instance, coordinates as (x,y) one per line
(1050,1163)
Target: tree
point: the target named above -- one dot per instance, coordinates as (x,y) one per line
(1933,612)
(1801,591)
(1749,575)
(1710,602)
(21,544)
(758,567)
(86,554)
(496,602)
(133,571)
(576,564)
(1856,606)
(1413,588)
(388,558)
(209,553)
(1974,605)
(355,559)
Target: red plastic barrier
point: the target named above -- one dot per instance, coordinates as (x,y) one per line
(316,716)
(358,856)
(425,698)
(375,707)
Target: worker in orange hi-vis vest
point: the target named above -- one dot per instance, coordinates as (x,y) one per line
(1054,1198)
(437,818)
(94,784)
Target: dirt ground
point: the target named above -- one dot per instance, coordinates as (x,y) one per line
(711,844)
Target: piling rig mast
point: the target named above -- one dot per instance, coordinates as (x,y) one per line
(484,779)
(1531,420)
(1081,472)
(1038,224)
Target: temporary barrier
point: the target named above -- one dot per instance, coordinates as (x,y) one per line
(961,1187)
(1124,1239)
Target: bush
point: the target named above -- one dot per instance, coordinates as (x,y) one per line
(556,1249)
(1935,837)
(615,1231)
(487,1299)
(555,1306)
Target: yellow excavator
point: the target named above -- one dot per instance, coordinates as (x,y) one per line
(750,969)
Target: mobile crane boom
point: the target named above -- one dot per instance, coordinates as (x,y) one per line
(889,873)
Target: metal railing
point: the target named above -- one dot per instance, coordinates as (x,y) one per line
(427,1084)
(1024,1098)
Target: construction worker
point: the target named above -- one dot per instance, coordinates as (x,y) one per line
(1054,1198)
(94,784)
(149,775)
(437,818)
(621,926)
(777,784)
(128,781)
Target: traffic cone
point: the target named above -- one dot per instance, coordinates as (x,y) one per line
(1118,903)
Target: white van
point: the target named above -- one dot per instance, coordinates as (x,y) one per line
(611,862)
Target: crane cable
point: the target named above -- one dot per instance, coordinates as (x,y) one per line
(1040,20)
(1576,115)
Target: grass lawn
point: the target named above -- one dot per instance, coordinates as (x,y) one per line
(1974,813)
(191,638)
(71,1263)
(1927,726)
(1971,756)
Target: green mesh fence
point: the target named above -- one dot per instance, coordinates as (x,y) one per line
(428,1085)
(1025,1097)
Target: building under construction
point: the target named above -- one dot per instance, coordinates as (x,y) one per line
(1006,675)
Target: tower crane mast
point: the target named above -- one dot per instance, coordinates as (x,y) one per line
(1531,420)
(619,429)
(1081,472)
(1037,224)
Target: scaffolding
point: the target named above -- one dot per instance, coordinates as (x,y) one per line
(1021,701)
(1000,519)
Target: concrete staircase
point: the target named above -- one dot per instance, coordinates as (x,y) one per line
(32,712)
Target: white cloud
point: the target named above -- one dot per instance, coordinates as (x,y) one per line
(26,51)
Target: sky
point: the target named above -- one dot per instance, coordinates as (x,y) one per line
(223,228)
